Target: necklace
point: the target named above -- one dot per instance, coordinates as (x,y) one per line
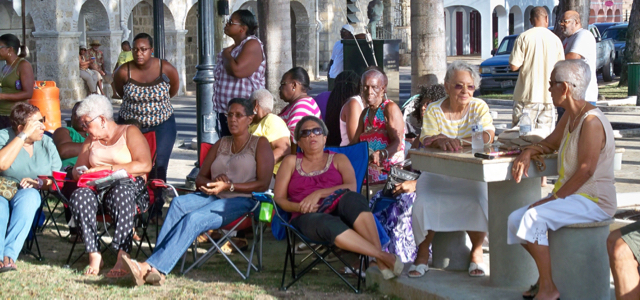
(573,124)
(245,144)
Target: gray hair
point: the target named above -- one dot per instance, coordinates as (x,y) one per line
(296,132)
(460,65)
(95,105)
(576,73)
(264,99)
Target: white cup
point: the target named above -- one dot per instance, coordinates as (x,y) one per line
(494,114)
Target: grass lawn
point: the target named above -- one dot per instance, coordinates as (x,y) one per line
(216,279)
(612,91)
(497,96)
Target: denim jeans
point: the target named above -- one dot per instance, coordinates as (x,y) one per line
(188,216)
(16,218)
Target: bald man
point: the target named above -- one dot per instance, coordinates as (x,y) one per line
(535,52)
(580,44)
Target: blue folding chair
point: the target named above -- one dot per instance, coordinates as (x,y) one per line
(358,154)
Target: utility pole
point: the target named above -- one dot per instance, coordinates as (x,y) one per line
(158,29)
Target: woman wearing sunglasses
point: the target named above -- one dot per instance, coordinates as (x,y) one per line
(446,203)
(236,166)
(25,153)
(241,67)
(308,177)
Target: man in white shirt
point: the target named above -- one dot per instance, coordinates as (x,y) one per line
(580,44)
(535,53)
(336,64)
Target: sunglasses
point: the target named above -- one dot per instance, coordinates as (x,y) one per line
(460,86)
(230,23)
(567,21)
(307,132)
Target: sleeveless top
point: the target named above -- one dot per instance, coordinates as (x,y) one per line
(76,138)
(116,154)
(600,187)
(240,167)
(227,86)
(10,84)
(148,103)
(302,184)
(343,124)
(375,133)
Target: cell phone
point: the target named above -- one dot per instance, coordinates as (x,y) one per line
(484,155)
(81,169)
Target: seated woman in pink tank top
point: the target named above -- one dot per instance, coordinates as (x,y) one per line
(235,167)
(306,178)
(109,147)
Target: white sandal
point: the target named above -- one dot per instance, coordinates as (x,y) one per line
(387,274)
(421,269)
(477,266)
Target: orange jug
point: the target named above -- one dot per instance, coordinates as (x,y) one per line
(46,96)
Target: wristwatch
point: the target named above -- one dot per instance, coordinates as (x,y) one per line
(22,136)
(232,188)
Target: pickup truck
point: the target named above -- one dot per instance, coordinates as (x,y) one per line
(497,77)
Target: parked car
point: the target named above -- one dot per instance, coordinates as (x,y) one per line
(497,77)
(618,34)
(603,26)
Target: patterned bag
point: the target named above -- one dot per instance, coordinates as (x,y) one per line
(8,187)
(398,175)
(329,204)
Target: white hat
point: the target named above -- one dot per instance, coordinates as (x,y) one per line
(349,28)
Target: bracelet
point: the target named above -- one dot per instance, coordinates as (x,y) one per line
(22,136)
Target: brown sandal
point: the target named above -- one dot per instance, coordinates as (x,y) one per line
(134,269)
(155,278)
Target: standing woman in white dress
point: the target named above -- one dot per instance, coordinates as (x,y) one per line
(445,203)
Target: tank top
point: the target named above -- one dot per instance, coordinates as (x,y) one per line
(10,84)
(600,187)
(76,137)
(116,154)
(148,103)
(302,184)
(343,125)
(240,167)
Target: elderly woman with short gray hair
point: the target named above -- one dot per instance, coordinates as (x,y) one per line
(445,203)
(585,190)
(270,126)
(112,147)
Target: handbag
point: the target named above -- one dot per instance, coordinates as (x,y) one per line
(398,175)
(329,203)
(8,187)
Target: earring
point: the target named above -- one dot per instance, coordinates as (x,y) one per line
(255,111)
(294,89)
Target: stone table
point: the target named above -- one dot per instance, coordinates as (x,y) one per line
(510,265)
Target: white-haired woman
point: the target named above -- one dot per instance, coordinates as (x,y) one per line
(585,190)
(109,147)
(445,203)
(270,126)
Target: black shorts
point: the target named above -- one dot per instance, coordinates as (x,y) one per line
(321,227)
(631,236)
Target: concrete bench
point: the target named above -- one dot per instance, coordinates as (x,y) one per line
(579,260)
(451,251)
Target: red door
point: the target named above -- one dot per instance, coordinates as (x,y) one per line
(459,31)
(474,32)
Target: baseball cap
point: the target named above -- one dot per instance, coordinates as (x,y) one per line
(349,28)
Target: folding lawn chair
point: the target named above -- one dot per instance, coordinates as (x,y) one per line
(244,222)
(358,155)
(32,238)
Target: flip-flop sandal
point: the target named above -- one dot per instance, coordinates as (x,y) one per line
(477,266)
(387,274)
(117,273)
(533,290)
(354,273)
(302,249)
(134,269)
(421,269)
(155,278)
(398,266)
(11,266)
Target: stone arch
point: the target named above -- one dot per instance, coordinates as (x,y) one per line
(94,6)
(618,17)
(500,22)
(141,18)
(300,36)
(516,20)
(93,17)
(610,15)
(600,17)
(527,13)
(191,45)
(592,16)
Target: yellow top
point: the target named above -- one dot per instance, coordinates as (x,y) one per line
(271,127)
(124,57)
(434,121)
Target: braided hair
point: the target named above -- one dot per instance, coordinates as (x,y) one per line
(427,95)
(347,86)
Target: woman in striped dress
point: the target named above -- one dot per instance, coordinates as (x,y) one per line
(446,203)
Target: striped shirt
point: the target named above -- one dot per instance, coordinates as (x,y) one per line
(293,112)
(227,86)
(434,121)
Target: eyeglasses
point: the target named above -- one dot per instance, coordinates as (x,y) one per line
(553,82)
(85,125)
(230,23)
(567,21)
(231,115)
(143,50)
(375,88)
(460,86)
(307,132)
(43,120)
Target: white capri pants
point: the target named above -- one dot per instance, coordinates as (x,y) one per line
(531,225)
(91,77)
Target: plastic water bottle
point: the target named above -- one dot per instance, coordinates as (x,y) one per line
(477,136)
(525,123)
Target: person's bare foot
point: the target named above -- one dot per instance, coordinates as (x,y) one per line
(95,263)
(543,181)
(118,269)
(419,261)
(551,294)
(477,257)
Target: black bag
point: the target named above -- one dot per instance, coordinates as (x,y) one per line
(398,175)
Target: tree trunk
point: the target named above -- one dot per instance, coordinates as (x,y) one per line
(632,48)
(274,17)
(581,6)
(428,52)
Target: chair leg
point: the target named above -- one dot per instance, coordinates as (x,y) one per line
(286,260)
